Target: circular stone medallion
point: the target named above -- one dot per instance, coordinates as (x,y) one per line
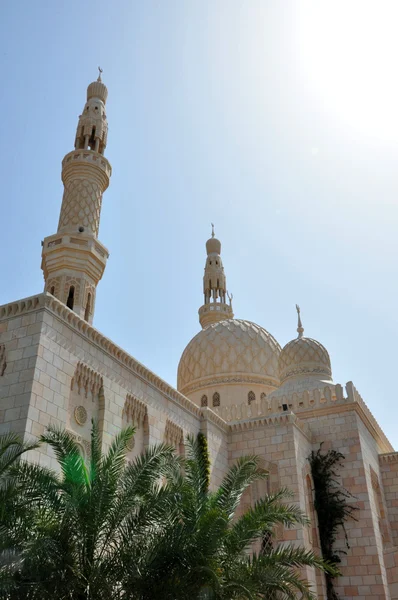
(130,444)
(80,415)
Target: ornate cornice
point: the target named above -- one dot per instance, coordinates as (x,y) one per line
(20,307)
(389,457)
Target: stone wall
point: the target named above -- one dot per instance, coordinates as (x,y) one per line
(61,370)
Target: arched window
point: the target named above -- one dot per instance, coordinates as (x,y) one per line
(71,297)
(310,510)
(266,542)
(263,396)
(251,397)
(216,399)
(88,307)
(203,401)
(52,290)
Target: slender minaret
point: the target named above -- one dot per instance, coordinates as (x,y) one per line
(215,307)
(73,260)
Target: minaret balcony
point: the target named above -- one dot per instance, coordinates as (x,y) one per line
(80,158)
(214,312)
(78,252)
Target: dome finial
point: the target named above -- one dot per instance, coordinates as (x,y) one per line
(300,328)
(99,74)
(212,230)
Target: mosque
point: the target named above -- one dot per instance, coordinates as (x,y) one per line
(235,382)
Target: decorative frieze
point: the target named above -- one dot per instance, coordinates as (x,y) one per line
(134,411)
(173,434)
(86,380)
(214,381)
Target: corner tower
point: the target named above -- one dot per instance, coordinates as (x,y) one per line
(73,260)
(215,307)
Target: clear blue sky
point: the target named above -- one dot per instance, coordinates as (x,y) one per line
(275,120)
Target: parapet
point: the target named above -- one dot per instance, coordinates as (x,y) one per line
(328,399)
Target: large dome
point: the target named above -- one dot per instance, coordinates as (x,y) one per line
(304,356)
(229,351)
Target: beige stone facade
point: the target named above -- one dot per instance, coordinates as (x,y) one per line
(235,383)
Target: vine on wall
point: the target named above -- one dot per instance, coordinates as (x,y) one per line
(332,507)
(204,449)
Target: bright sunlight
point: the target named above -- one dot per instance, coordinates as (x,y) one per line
(348,55)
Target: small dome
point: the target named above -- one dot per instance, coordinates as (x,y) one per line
(213,245)
(229,351)
(304,356)
(97,90)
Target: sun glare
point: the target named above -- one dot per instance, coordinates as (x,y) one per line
(348,53)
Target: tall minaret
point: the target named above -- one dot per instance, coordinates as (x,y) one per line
(73,260)
(215,292)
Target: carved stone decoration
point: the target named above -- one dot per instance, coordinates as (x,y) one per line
(134,410)
(173,434)
(83,444)
(80,415)
(206,383)
(86,380)
(3,362)
(130,444)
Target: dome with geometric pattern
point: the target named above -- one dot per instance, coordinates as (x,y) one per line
(230,351)
(304,356)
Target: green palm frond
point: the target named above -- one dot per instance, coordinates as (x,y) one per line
(264,516)
(239,477)
(11,448)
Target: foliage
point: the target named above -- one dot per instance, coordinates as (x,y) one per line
(201,553)
(204,456)
(14,508)
(11,449)
(332,507)
(149,529)
(82,517)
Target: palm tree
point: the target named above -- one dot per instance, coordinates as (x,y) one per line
(146,530)
(13,506)
(12,447)
(202,550)
(74,540)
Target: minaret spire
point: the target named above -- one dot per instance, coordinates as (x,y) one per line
(300,328)
(215,307)
(73,260)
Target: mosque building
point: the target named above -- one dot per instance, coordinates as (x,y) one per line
(235,383)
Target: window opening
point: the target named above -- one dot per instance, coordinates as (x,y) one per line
(71,297)
(216,399)
(251,397)
(203,401)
